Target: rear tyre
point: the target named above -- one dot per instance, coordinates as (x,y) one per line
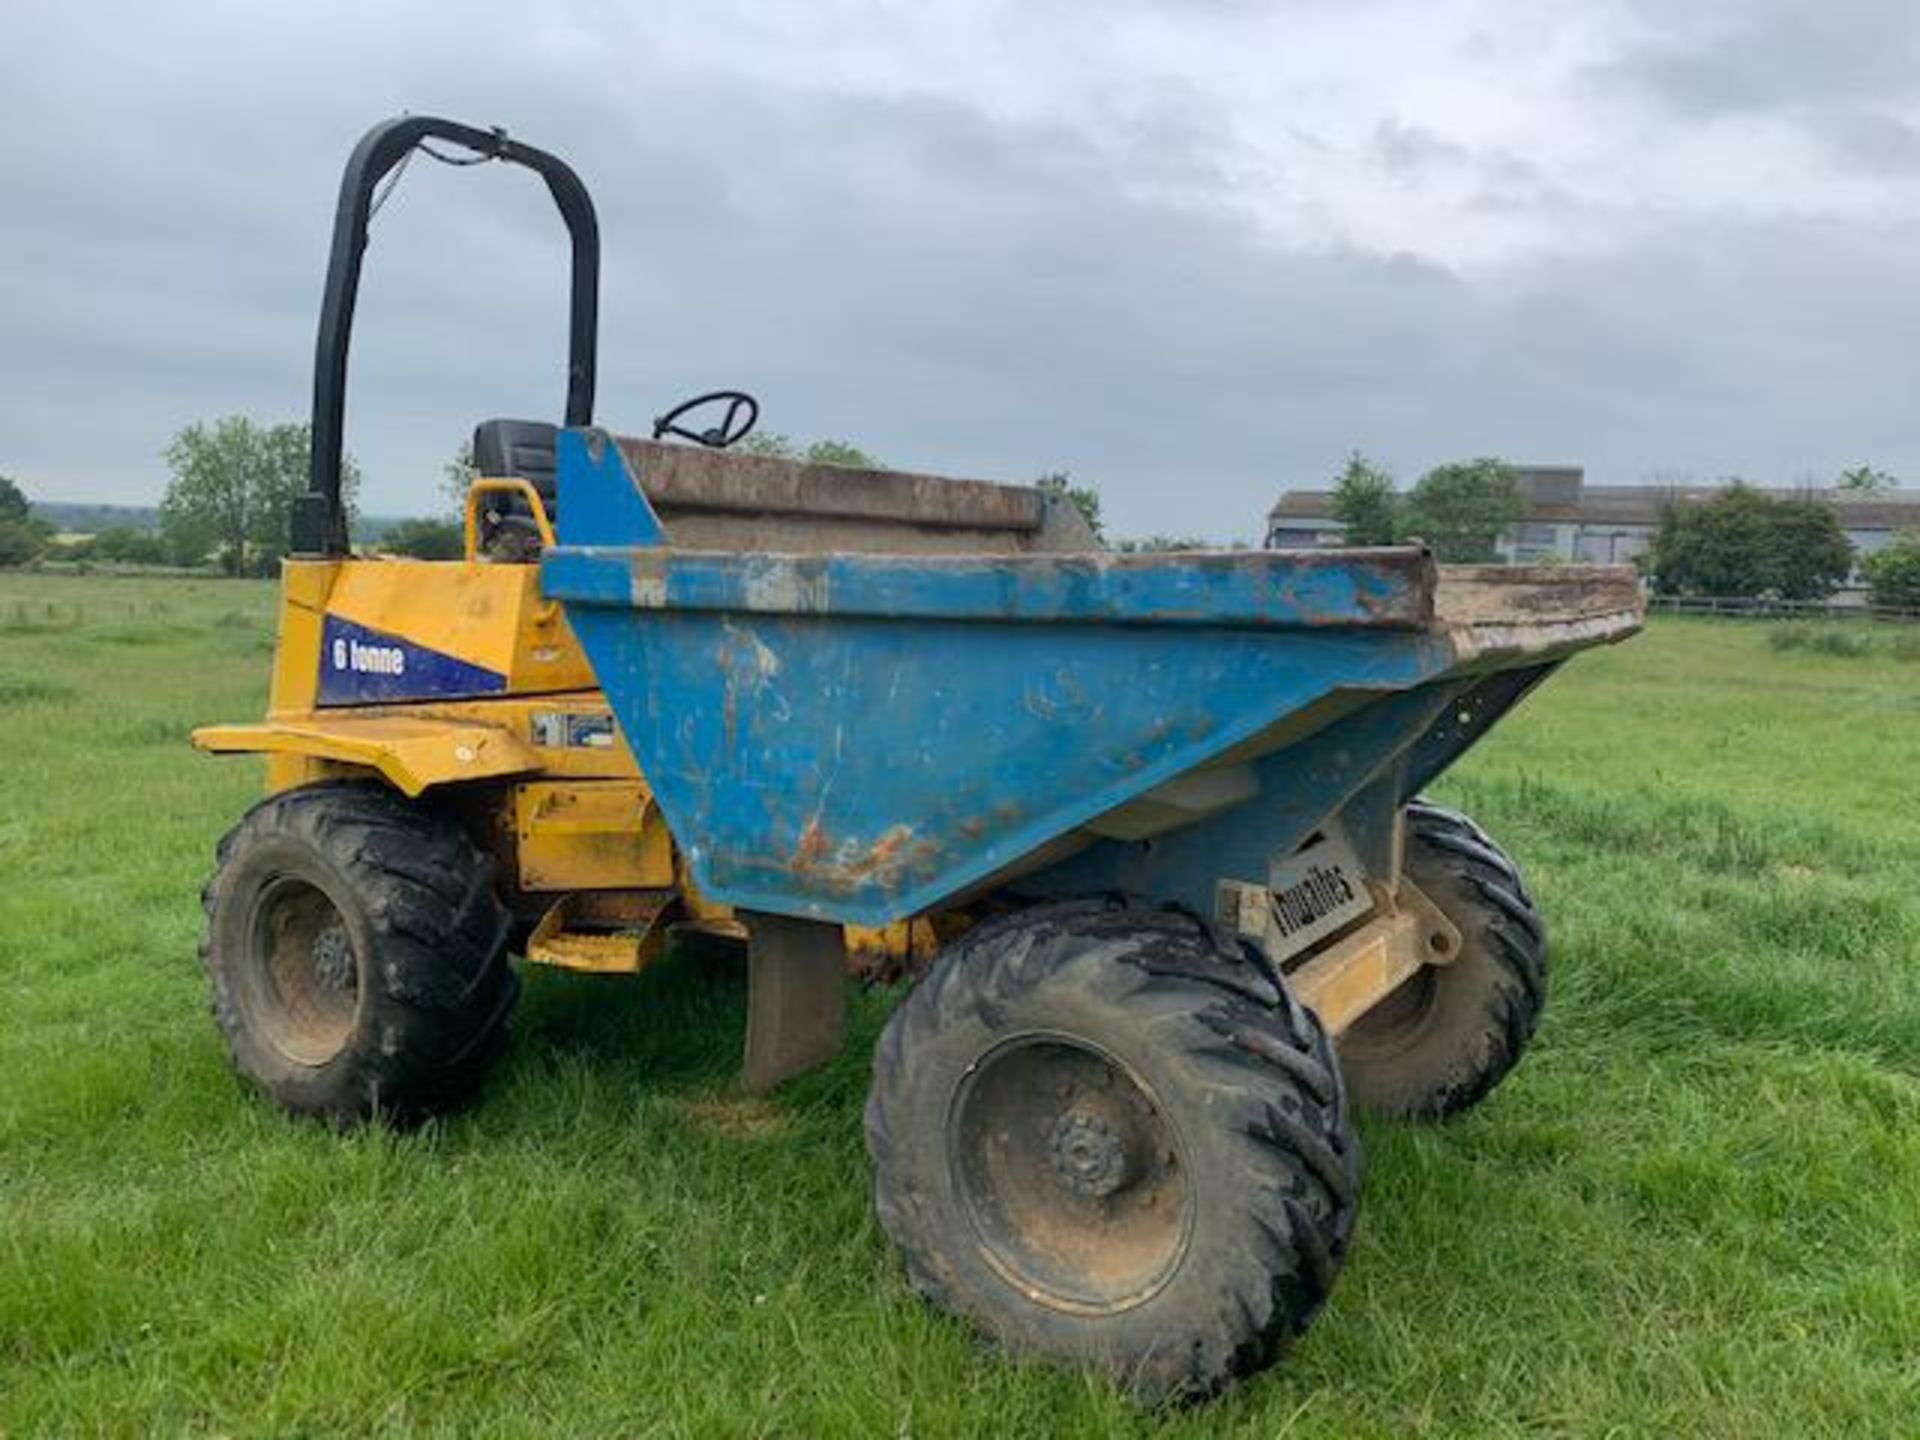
(1441,1042)
(1109,1136)
(357,955)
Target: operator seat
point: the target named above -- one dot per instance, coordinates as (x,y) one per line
(518,447)
(523,448)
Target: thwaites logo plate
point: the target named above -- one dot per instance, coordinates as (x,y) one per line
(1317,891)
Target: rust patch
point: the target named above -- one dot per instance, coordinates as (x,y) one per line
(813,846)
(888,845)
(1479,595)
(851,865)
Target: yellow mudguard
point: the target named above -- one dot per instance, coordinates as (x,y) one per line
(413,754)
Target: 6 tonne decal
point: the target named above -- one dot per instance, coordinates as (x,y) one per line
(359,665)
(368,659)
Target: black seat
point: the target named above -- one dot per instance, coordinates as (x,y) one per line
(503,448)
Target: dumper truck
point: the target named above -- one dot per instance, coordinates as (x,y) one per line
(1146,831)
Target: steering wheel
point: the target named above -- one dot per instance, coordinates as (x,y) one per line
(716,437)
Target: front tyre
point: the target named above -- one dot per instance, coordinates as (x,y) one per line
(357,955)
(1109,1136)
(1441,1042)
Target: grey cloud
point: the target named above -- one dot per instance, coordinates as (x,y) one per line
(1842,72)
(1871,141)
(1410,151)
(1494,179)
(1746,56)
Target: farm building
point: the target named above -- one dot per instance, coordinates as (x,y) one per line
(1569,519)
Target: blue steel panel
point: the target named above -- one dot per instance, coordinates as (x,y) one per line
(864,769)
(1387,590)
(599,502)
(1301,787)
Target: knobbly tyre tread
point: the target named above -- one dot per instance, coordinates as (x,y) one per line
(442,989)
(1230,1049)
(1503,964)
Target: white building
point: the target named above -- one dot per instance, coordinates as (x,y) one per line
(1568,519)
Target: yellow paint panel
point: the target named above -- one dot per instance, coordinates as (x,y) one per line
(891,949)
(487,615)
(592,835)
(525,718)
(411,753)
(492,616)
(467,611)
(290,772)
(1351,976)
(304,585)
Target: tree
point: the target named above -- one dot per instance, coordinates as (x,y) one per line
(459,473)
(1156,544)
(839,452)
(1893,573)
(1463,509)
(1865,480)
(22,538)
(769,445)
(233,488)
(426,540)
(1810,554)
(1083,498)
(13,502)
(1365,503)
(20,542)
(127,546)
(1712,547)
(1743,542)
(772,445)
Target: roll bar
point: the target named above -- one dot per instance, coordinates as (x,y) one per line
(319,519)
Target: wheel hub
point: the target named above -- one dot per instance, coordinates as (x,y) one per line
(301,978)
(1069,1173)
(333,959)
(1090,1156)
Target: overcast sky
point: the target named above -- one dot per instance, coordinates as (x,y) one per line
(1193,252)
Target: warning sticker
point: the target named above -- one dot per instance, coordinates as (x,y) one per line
(571,730)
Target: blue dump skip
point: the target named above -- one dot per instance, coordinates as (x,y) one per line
(861,737)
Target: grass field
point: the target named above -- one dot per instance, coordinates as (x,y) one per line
(1694,1210)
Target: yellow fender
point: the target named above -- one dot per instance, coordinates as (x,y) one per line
(413,753)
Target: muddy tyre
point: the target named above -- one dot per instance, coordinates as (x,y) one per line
(357,955)
(1445,1038)
(1109,1136)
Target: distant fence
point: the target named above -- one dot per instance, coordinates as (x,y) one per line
(1738,607)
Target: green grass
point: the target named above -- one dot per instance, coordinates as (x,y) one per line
(1694,1210)
(1854,639)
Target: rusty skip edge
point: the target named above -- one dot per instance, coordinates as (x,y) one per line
(680,477)
(1486,644)
(1388,588)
